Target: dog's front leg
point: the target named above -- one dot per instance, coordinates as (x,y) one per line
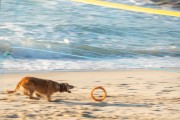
(48,97)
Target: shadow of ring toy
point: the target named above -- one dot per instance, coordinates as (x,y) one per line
(98,99)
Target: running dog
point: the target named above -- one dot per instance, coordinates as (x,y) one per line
(41,87)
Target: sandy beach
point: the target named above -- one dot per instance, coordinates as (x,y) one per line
(131,95)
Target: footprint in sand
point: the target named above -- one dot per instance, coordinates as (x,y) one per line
(130,77)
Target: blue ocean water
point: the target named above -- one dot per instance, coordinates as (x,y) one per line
(66,35)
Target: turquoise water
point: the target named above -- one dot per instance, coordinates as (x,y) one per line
(65,35)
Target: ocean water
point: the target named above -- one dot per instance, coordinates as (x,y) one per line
(38,35)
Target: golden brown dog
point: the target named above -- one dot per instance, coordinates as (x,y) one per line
(41,87)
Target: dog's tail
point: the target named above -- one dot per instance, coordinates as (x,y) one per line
(16,89)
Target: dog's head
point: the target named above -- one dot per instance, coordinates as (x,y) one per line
(65,87)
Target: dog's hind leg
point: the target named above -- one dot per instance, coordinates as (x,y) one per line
(26,93)
(29,90)
(31,95)
(38,95)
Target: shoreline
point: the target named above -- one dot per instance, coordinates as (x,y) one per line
(173,69)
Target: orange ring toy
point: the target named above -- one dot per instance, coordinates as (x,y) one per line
(100,99)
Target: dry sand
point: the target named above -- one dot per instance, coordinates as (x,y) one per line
(132,95)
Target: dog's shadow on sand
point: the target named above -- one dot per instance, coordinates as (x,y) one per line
(100,104)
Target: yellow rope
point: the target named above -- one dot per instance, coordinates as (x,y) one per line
(130,8)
